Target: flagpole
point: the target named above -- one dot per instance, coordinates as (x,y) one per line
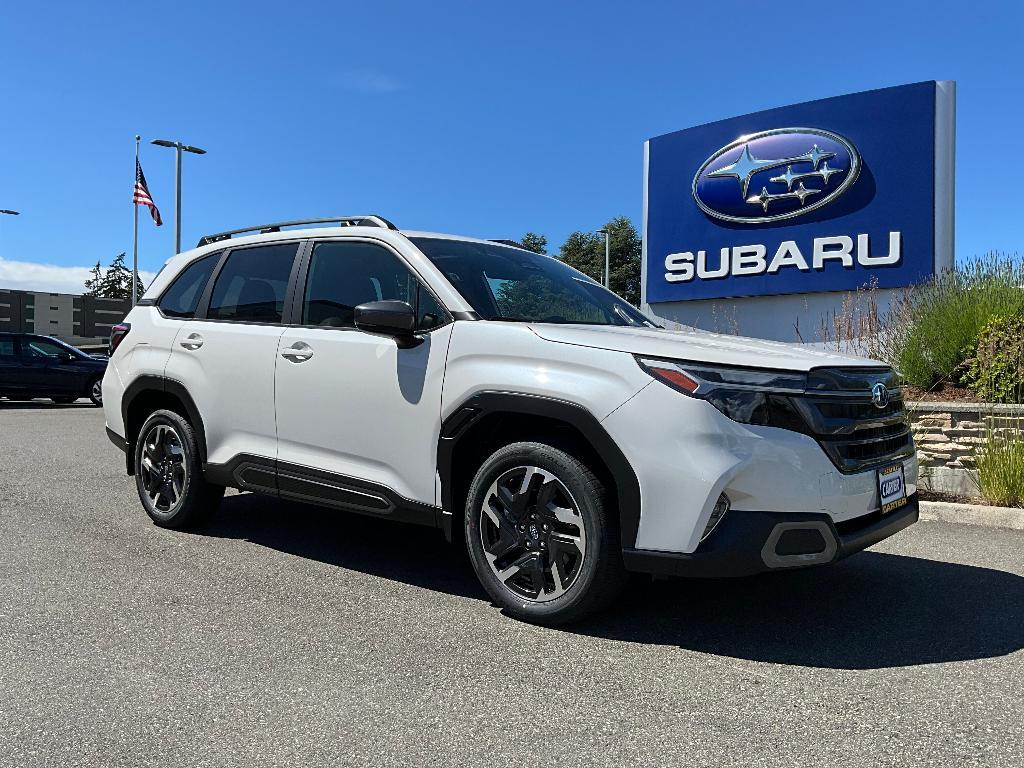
(135,240)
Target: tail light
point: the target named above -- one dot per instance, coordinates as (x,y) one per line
(117,334)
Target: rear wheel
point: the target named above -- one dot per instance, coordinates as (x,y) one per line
(96,391)
(168,473)
(540,535)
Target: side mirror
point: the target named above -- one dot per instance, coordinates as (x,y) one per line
(68,357)
(392,318)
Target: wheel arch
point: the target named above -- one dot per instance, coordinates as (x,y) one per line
(488,420)
(149,393)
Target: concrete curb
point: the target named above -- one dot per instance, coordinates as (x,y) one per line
(973,514)
(985,409)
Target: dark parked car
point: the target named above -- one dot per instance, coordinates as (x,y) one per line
(41,366)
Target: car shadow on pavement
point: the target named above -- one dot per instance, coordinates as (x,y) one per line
(411,554)
(872,610)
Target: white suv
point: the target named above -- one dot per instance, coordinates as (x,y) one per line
(505,398)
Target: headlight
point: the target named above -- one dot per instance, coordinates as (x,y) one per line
(746,395)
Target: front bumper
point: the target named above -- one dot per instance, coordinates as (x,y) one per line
(746,543)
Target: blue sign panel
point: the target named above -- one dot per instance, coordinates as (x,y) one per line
(827,195)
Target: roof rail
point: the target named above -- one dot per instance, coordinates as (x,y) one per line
(343,221)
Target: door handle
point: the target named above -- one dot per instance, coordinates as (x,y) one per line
(299,352)
(192,341)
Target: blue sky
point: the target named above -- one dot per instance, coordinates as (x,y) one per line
(478,118)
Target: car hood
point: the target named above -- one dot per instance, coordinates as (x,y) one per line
(696,345)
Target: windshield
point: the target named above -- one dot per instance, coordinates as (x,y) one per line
(503,283)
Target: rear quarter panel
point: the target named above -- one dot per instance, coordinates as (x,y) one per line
(144,351)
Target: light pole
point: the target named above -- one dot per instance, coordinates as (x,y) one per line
(607,257)
(9,212)
(178,149)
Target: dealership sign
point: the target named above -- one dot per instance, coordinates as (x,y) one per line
(828,195)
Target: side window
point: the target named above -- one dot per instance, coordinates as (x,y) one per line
(41,348)
(182,298)
(344,275)
(429,313)
(6,346)
(252,284)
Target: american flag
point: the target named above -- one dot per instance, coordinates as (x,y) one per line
(142,194)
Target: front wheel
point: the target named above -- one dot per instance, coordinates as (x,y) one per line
(168,473)
(541,536)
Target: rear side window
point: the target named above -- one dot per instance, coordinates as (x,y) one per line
(6,346)
(182,298)
(252,284)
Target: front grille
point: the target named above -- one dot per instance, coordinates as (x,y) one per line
(845,411)
(854,433)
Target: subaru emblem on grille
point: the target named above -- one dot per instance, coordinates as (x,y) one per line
(880,395)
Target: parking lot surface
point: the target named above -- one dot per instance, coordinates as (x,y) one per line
(285,634)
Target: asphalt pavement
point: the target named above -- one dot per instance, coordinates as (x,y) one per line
(286,634)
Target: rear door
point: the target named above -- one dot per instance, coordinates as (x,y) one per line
(157,328)
(354,405)
(225,356)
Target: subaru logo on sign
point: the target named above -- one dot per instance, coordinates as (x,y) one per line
(775,175)
(880,395)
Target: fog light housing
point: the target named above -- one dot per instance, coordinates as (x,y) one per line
(721,507)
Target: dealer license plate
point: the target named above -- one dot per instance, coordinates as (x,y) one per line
(892,491)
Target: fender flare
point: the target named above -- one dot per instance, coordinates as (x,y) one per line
(457,424)
(153,383)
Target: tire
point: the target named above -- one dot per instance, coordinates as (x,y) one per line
(168,473)
(95,391)
(546,516)
(64,400)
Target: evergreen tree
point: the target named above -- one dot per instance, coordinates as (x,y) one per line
(531,241)
(94,284)
(115,283)
(118,279)
(585,252)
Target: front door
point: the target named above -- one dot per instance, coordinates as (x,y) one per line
(355,405)
(50,369)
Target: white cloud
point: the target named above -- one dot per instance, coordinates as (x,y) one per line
(369,81)
(29,276)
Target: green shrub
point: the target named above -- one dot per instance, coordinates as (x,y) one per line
(933,329)
(1000,462)
(996,373)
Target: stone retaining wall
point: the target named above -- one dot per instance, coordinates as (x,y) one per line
(946,435)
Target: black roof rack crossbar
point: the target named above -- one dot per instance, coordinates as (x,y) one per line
(344,221)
